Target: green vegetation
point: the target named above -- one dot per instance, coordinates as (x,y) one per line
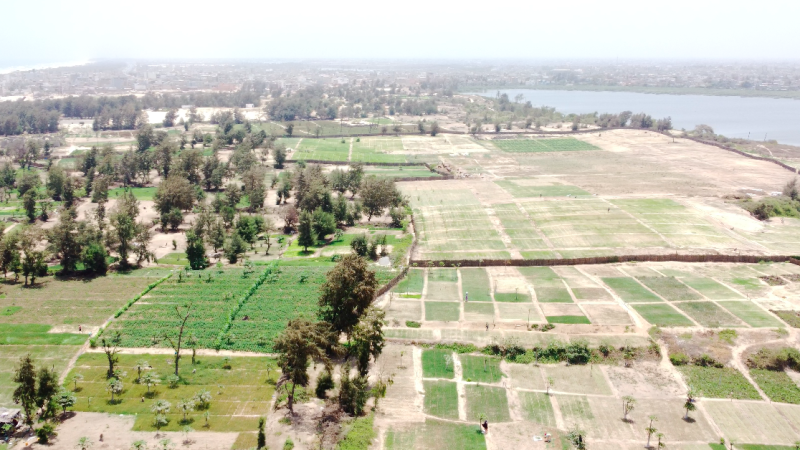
(629,290)
(708,314)
(238,393)
(441,399)
(512,297)
(569,319)
(437,363)
(489,401)
(413,282)
(669,288)
(790,317)
(711,289)
(483,369)
(436,434)
(751,314)
(558,294)
(723,382)
(519,191)
(11,334)
(141,193)
(662,315)
(536,407)
(778,386)
(476,283)
(174,259)
(543,145)
(360,435)
(444,311)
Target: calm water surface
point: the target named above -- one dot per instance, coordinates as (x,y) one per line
(778,119)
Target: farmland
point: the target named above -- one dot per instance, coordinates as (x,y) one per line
(543,145)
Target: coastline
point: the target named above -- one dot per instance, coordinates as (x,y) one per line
(24,68)
(655,90)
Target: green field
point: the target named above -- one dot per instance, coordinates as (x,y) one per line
(412,283)
(751,314)
(629,290)
(141,193)
(442,311)
(174,259)
(669,288)
(483,369)
(478,312)
(543,145)
(436,365)
(443,285)
(476,283)
(401,172)
(378,150)
(441,399)
(322,150)
(491,402)
(512,297)
(711,289)
(239,394)
(568,319)
(662,315)
(556,294)
(55,356)
(715,382)
(536,407)
(778,386)
(709,314)
(435,434)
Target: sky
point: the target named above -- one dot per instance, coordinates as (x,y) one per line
(53,31)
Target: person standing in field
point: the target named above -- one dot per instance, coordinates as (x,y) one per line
(466,297)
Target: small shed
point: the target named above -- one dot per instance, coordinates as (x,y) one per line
(9,416)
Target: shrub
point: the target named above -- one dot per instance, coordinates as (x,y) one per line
(679,359)
(413,324)
(706,361)
(324,384)
(775,359)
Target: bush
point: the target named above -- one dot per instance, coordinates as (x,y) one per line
(324,384)
(776,359)
(679,359)
(413,324)
(360,245)
(706,361)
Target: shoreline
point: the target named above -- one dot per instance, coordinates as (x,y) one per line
(653,90)
(42,66)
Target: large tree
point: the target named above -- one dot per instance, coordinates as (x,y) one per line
(305,237)
(347,293)
(299,343)
(25,393)
(368,338)
(377,194)
(174,192)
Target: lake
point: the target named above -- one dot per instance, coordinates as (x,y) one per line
(778,119)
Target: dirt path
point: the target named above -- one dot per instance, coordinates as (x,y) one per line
(350,153)
(458,375)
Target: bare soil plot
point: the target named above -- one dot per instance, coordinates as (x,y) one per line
(753,422)
(478,312)
(518,227)
(524,376)
(709,314)
(508,280)
(751,314)
(607,314)
(442,311)
(441,399)
(669,288)
(558,309)
(578,379)
(630,290)
(442,285)
(519,312)
(403,402)
(536,407)
(644,380)
(402,310)
(663,315)
(488,401)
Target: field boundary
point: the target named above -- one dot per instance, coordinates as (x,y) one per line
(350,163)
(235,310)
(602,260)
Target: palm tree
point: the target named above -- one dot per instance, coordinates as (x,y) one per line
(651,430)
(689,404)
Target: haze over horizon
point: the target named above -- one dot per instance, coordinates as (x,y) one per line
(582,29)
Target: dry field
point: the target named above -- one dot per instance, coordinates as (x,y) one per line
(637,193)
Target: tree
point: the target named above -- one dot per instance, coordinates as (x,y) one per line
(174,192)
(269,228)
(25,392)
(234,246)
(661,444)
(297,345)
(247,229)
(55,182)
(75,379)
(289,215)
(29,203)
(347,293)
(94,259)
(111,346)
(47,387)
(185,406)
(790,189)
(195,251)
(169,118)
(177,341)
(114,387)
(280,156)
(150,379)
(322,223)
(305,237)
(144,138)
(161,407)
(261,441)
(202,399)
(434,128)
(139,445)
(63,240)
(65,400)
(353,392)
(628,404)
(140,366)
(123,219)
(689,405)
(377,194)
(651,430)
(368,338)
(31,263)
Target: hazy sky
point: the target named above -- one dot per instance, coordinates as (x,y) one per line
(37,31)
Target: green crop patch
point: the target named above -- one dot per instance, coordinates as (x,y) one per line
(662,315)
(26,334)
(332,149)
(240,387)
(536,407)
(475,282)
(412,283)
(141,193)
(751,314)
(441,399)
(543,145)
(512,297)
(575,320)
(438,363)
(711,289)
(629,290)
(714,382)
(778,386)
(552,294)
(442,311)
(487,401)
(709,314)
(174,259)
(378,150)
(435,434)
(669,288)
(790,317)
(484,369)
